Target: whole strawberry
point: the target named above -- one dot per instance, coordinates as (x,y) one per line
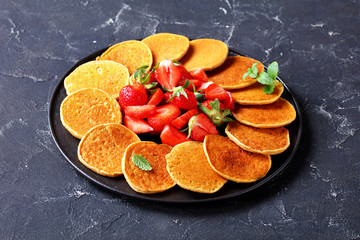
(132,95)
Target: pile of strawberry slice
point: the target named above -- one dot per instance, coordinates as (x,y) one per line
(177,104)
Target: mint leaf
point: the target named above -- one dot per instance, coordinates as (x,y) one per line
(245,75)
(272,70)
(264,78)
(268,89)
(141,162)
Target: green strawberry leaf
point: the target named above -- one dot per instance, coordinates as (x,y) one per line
(141,162)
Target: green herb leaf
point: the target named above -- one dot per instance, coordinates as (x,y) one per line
(141,162)
(272,70)
(245,75)
(268,89)
(264,78)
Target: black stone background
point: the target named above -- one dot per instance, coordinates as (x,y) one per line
(316,44)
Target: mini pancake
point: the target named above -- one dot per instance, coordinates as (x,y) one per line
(167,46)
(153,181)
(269,141)
(102,148)
(253,94)
(132,54)
(86,108)
(205,53)
(189,168)
(230,74)
(276,114)
(108,76)
(232,162)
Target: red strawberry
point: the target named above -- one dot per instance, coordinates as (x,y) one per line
(229,101)
(204,86)
(199,74)
(184,73)
(137,125)
(215,111)
(171,136)
(165,115)
(207,104)
(156,97)
(167,74)
(183,120)
(197,83)
(132,95)
(200,126)
(183,98)
(215,91)
(143,111)
(151,77)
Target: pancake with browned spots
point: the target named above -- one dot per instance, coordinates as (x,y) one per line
(153,181)
(132,54)
(254,95)
(167,46)
(230,74)
(86,108)
(205,53)
(189,168)
(276,114)
(102,148)
(234,163)
(268,141)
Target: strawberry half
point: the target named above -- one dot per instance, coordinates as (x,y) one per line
(137,125)
(183,98)
(156,97)
(200,126)
(193,82)
(214,110)
(229,102)
(167,74)
(171,136)
(183,120)
(143,111)
(132,95)
(199,74)
(164,115)
(215,91)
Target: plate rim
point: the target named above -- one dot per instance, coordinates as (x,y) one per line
(257,185)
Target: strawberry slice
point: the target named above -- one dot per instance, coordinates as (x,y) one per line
(199,74)
(215,111)
(143,111)
(184,73)
(197,83)
(183,120)
(204,86)
(215,91)
(167,74)
(137,125)
(156,97)
(228,102)
(165,115)
(200,126)
(171,136)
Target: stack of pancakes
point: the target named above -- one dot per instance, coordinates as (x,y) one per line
(91,113)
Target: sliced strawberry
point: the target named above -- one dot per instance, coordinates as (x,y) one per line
(207,104)
(197,83)
(167,74)
(156,97)
(184,73)
(199,74)
(215,91)
(143,111)
(132,95)
(171,136)
(165,115)
(204,86)
(200,126)
(183,120)
(215,111)
(183,98)
(229,102)
(137,125)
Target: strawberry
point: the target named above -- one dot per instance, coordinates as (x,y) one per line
(167,74)
(165,115)
(204,86)
(183,98)
(132,95)
(200,126)
(215,91)
(228,102)
(214,110)
(184,73)
(151,76)
(137,125)
(199,74)
(183,120)
(156,97)
(197,83)
(143,111)
(171,136)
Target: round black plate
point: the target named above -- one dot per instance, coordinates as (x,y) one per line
(67,145)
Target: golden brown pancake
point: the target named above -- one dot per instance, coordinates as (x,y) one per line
(102,148)
(276,114)
(132,54)
(167,46)
(253,94)
(232,162)
(230,74)
(205,53)
(189,168)
(269,141)
(153,181)
(108,76)
(86,108)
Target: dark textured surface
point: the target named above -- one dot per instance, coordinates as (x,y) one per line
(317,46)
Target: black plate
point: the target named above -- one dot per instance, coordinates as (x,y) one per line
(67,145)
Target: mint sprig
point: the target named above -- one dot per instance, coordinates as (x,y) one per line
(141,162)
(267,78)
